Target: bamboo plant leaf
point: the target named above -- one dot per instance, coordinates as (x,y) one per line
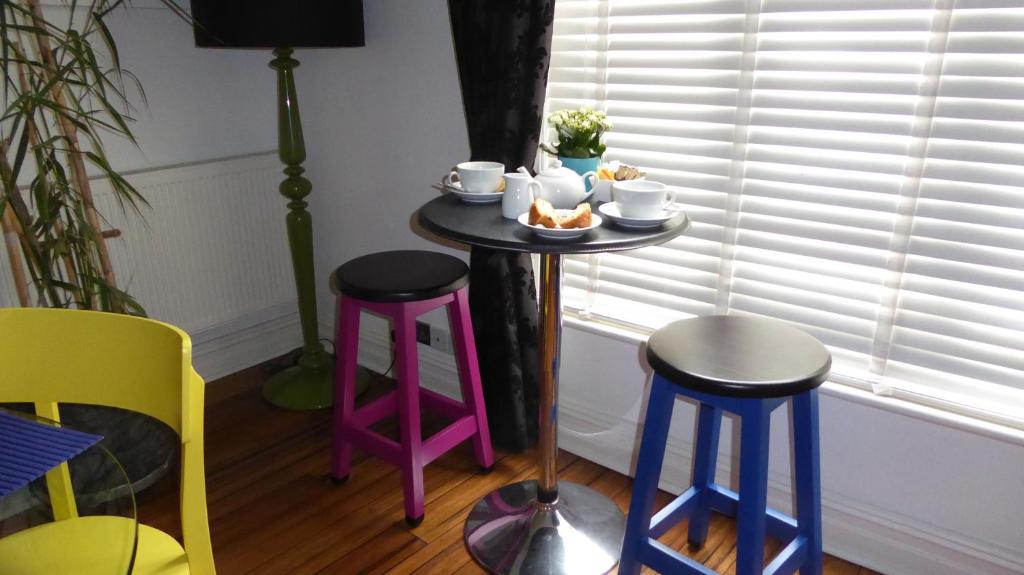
(108,39)
(64,85)
(19,156)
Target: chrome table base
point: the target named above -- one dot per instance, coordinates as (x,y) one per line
(546,527)
(510,533)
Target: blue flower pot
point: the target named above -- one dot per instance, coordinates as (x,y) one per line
(581,165)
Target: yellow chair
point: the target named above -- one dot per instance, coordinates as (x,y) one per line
(49,355)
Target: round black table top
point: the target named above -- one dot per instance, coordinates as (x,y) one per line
(739,356)
(482,225)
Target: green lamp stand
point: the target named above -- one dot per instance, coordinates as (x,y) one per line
(276,24)
(310,383)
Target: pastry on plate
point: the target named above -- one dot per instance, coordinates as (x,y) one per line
(578,218)
(542,213)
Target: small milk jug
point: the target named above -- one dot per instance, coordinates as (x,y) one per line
(520,191)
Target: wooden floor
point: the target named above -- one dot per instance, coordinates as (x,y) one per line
(273,509)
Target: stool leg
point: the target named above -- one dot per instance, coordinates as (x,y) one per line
(407,373)
(808,478)
(469,375)
(705,459)
(648,472)
(753,492)
(347,338)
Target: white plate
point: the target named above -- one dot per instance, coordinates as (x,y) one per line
(559,233)
(611,209)
(471,198)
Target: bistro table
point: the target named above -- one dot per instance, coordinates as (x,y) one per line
(544,525)
(99,534)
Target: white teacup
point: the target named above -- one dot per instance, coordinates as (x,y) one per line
(476,177)
(641,198)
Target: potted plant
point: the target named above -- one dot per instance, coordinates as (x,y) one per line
(578,132)
(63,88)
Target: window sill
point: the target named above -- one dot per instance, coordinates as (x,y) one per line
(839,390)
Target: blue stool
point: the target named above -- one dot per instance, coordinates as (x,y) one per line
(748,366)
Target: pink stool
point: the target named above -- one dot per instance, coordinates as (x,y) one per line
(403,285)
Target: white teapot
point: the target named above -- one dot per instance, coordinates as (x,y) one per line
(564,188)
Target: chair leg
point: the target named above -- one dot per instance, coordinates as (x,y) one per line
(347,338)
(407,373)
(705,459)
(808,477)
(648,472)
(469,375)
(752,512)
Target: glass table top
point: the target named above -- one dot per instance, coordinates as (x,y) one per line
(40,532)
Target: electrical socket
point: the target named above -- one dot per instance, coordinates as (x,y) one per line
(440,340)
(435,337)
(423,332)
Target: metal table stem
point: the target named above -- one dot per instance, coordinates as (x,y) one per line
(546,526)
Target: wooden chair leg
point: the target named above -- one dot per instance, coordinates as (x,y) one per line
(751,515)
(808,478)
(347,342)
(705,459)
(469,375)
(407,373)
(648,473)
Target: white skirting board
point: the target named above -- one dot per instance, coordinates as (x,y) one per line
(865,535)
(232,346)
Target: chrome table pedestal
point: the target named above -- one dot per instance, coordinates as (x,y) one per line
(509,531)
(542,527)
(546,526)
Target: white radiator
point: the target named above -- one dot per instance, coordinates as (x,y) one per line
(209,255)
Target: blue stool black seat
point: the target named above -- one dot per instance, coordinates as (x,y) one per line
(748,366)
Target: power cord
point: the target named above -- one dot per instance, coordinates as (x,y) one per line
(292,358)
(334,350)
(386,373)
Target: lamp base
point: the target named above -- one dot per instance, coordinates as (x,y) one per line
(302,388)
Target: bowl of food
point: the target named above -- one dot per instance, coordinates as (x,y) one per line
(608,174)
(555,224)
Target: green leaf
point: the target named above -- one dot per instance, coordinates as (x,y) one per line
(108,39)
(19,156)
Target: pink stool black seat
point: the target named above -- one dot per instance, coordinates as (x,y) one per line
(402,285)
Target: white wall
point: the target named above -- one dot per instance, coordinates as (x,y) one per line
(382,123)
(211,255)
(202,104)
(205,105)
(902,495)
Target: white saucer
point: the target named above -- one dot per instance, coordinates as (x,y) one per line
(559,233)
(611,209)
(471,198)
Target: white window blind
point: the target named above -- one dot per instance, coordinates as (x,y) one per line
(855,167)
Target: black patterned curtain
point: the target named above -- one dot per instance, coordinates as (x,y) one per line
(503,49)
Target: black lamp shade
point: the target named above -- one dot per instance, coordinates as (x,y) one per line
(278,23)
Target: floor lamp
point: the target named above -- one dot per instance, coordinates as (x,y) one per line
(283,25)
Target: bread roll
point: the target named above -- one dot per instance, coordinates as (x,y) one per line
(542,213)
(578,218)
